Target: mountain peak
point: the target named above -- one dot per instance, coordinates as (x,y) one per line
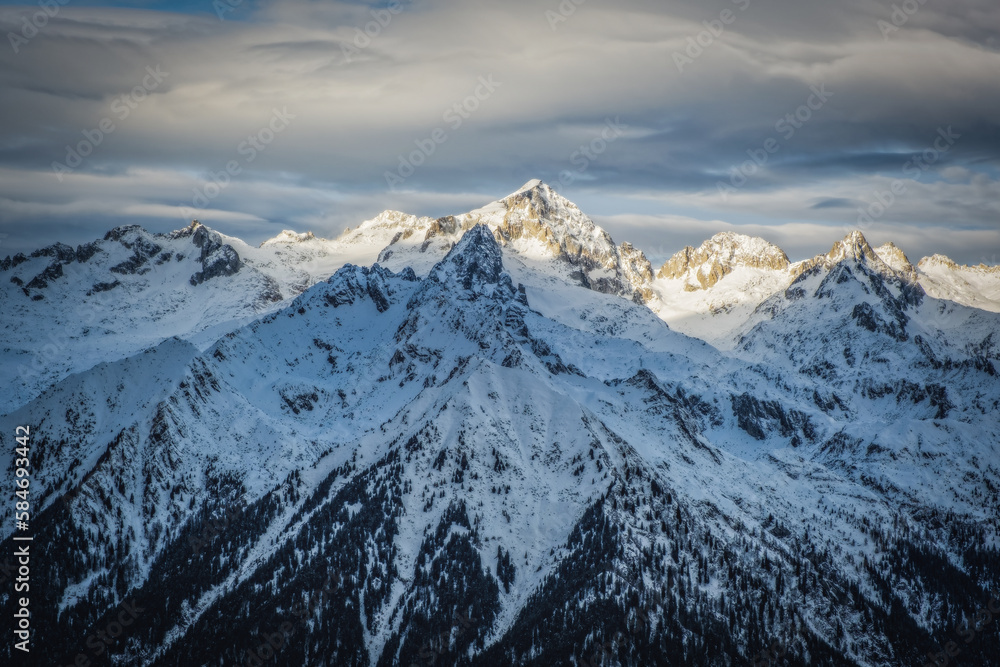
(719,256)
(897,260)
(184,232)
(127,231)
(938,260)
(474,262)
(387,228)
(531,185)
(853,246)
(390,217)
(287,236)
(889,261)
(538,199)
(540,225)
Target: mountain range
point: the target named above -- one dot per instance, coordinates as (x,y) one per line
(502,438)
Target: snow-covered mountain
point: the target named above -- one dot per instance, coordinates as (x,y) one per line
(489,448)
(67,309)
(712,291)
(131,290)
(117,296)
(544,231)
(976,286)
(709,291)
(703,267)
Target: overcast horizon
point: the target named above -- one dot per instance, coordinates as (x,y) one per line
(665,124)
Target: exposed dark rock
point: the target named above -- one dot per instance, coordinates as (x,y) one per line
(130,266)
(40,281)
(352,282)
(270,293)
(217,259)
(223,261)
(119,234)
(142,250)
(102,287)
(869,319)
(61,251)
(760,418)
(87,250)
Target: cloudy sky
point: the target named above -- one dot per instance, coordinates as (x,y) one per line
(665,121)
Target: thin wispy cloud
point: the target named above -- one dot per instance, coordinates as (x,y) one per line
(368,86)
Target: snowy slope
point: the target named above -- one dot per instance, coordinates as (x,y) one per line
(300,260)
(974,286)
(709,291)
(714,314)
(68,309)
(131,290)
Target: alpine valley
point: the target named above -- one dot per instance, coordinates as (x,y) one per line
(501,438)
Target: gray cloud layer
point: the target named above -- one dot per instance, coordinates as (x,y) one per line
(867,93)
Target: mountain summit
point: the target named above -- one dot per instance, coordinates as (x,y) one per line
(539,226)
(703,267)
